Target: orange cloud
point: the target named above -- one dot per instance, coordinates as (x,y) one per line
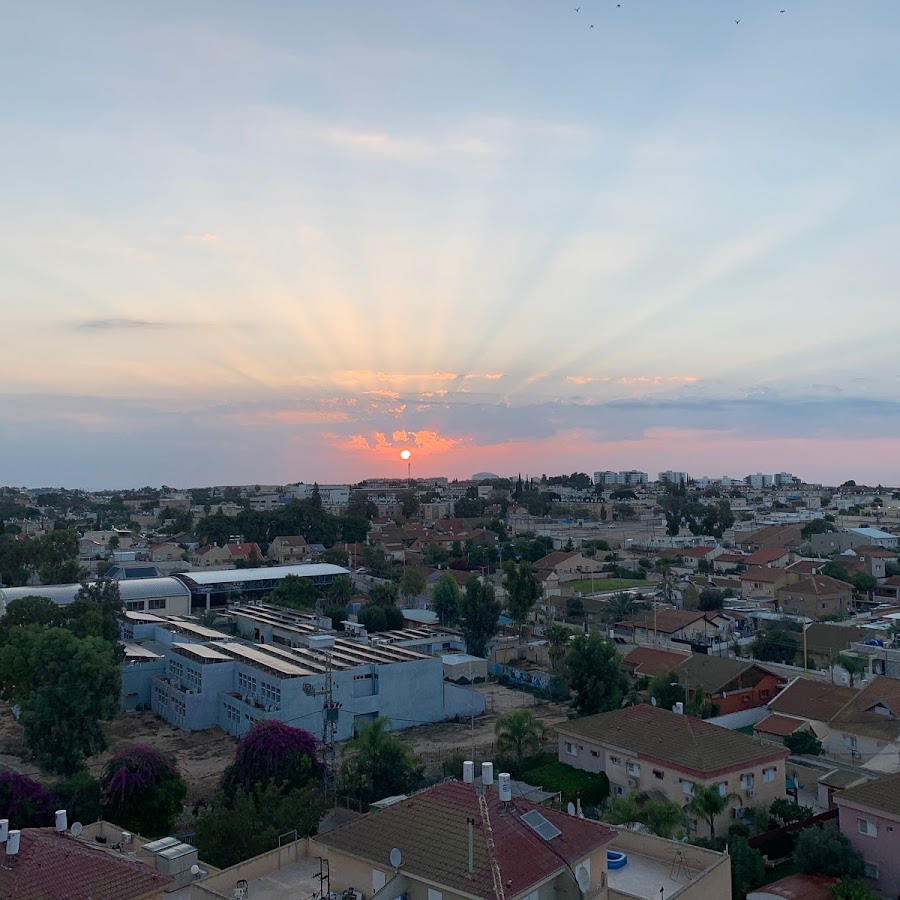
(486,376)
(388,395)
(200,238)
(289,417)
(633,379)
(425,443)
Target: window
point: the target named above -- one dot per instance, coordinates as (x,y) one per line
(723,788)
(193,678)
(135,606)
(633,769)
(434,895)
(246,684)
(659,774)
(595,753)
(271,695)
(614,759)
(870,870)
(769,774)
(746,781)
(866,827)
(232,715)
(687,788)
(378,880)
(157,603)
(176,669)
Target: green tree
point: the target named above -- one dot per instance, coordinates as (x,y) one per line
(340,591)
(711,599)
(480,614)
(519,734)
(836,570)
(143,790)
(666,689)
(594,675)
(558,639)
(295,592)
(96,610)
(378,764)
(384,594)
(523,590)
(412,583)
(664,818)
(708,803)
(446,600)
(26,611)
(409,504)
(852,889)
(816,526)
(777,645)
(315,500)
(827,852)
(75,683)
(803,743)
(337,614)
(785,811)
(622,606)
(79,795)
(231,830)
(864,583)
(336,557)
(56,557)
(748,870)
(854,666)
(373,618)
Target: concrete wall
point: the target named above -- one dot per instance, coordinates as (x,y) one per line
(881,850)
(137,680)
(221,883)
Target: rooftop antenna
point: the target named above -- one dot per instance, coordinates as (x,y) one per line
(396,859)
(76,829)
(330,713)
(583,877)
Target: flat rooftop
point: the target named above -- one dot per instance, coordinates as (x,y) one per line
(298,880)
(650,878)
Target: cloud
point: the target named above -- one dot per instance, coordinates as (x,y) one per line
(206,238)
(581,379)
(633,379)
(486,376)
(125,322)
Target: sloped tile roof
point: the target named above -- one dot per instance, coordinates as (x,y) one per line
(50,866)
(818,585)
(649,660)
(431,831)
(766,555)
(778,725)
(679,741)
(815,700)
(873,712)
(713,673)
(882,794)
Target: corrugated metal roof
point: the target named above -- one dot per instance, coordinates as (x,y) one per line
(263,573)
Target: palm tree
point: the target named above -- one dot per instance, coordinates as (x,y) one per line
(558,637)
(621,606)
(854,666)
(519,733)
(209,619)
(708,803)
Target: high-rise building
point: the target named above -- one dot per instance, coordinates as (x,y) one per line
(632,476)
(783,479)
(670,477)
(607,478)
(759,481)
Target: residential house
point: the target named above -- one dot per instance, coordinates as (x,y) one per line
(46,863)
(731,684)
(667,626)
(869,817)
(867,729)
(825,639)
(834,542)
(287,549)
(772,557)
(649,661)
(796,887)
(691,557)
(728,562)
(166,552)
(761,582)
(212,555)
(646,748)
(815,597)
(771,536)
(804,705)
(571,564)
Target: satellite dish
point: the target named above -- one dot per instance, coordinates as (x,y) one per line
(653,700)
(396,858)
(76,829)
(583,877)
(570,809)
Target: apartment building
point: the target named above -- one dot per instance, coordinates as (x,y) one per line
(815,597)
(644,748)
(869,817)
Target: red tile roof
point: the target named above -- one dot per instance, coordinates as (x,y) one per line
(649,660)
(778,725)
(761,573)
(430,830)
(798,887)
(766,556)
(49,865)
(818,585)
(696,552)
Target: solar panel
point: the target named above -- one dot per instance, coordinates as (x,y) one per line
(541,825)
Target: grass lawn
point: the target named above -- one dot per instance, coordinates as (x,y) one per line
(557,776)
(586,585)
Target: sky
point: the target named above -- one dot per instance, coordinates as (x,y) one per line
(283,241)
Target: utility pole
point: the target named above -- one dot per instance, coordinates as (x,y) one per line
(330,712)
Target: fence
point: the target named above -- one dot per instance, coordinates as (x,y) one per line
(438,759)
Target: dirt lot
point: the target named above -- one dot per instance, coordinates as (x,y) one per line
(437,742)
(201,755)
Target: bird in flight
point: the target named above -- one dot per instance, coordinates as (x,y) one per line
(737,21)
(592,26)
(781,11)
(578,9)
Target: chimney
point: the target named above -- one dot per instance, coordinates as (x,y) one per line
(62,822)
(468,772)
(487,774)
(12,844)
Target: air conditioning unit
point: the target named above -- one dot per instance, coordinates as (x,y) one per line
(632,782)
(750,792)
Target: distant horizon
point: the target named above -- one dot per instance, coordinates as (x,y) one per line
(242,243)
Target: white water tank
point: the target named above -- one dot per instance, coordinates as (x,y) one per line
(678,708)
(487,774)
(12,844)
(468,772)
(505,786)
(62,821)
(4,830)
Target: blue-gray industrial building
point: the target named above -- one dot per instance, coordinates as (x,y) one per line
(276,668)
